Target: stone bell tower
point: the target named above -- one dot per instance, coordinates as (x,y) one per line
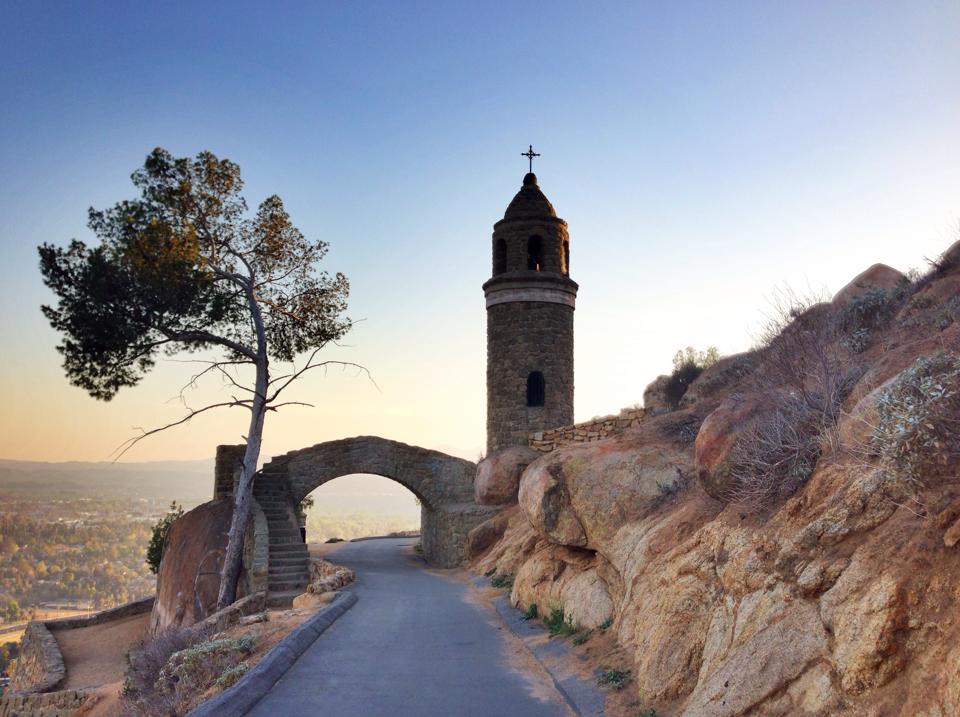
(530,303)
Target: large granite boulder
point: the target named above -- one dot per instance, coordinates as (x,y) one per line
(480,538)
(580,495)
(188,579)
(878,276)
(498,475)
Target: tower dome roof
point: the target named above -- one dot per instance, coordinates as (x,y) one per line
(529,201)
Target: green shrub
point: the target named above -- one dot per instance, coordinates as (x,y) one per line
(504,580)
(687,366)
(190,672)
(918,419)
(582,637)
(873,309)
(558,624)
(606,624)
(142,694)
(612,677)
(158,540)
(949,313)
(531,612)
(231,675)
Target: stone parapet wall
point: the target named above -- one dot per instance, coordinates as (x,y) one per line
(593,430)
(40,665)
(126,610)
(45,704)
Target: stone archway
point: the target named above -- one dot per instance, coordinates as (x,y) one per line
(442,483)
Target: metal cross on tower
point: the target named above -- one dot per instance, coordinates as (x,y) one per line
(530,154)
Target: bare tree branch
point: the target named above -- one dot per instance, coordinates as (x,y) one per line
(131,442)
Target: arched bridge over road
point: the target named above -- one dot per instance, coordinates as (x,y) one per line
(442,483)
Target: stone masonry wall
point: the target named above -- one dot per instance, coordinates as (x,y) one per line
(594,430)
(225,471)
(40,665)
(523,337)
(443,530)
(44,704)
(256,550)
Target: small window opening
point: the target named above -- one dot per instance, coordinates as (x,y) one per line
(500,257)
(566,258)
(535,389)
(535,254)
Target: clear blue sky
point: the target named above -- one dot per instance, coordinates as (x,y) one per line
(702,153)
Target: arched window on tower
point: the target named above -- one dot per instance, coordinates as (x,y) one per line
(499,257)
(536,389)
(566,257)
(535,253)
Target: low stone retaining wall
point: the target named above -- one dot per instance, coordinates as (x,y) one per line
(126,610)
(586,432)
(40,664)
(45,704)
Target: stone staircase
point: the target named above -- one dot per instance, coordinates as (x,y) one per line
(288,561)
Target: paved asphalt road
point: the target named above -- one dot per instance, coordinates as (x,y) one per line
(414,645)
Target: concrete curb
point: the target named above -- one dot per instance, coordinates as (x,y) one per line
(584,697)
(250,689)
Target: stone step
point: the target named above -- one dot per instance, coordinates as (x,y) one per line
(289,550)
(295,579)
(288,559)
(291,540)
(293,573)
(298,585)
(300,566)
(284,531)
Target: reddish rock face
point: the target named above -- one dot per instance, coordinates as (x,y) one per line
(878,276)
(719,434)
(486,534)
(498,475)
(195,545)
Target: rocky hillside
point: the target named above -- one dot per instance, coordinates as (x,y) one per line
(783,541)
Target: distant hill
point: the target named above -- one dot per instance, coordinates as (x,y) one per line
(189,482)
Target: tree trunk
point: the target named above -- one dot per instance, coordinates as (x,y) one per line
(243,493)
